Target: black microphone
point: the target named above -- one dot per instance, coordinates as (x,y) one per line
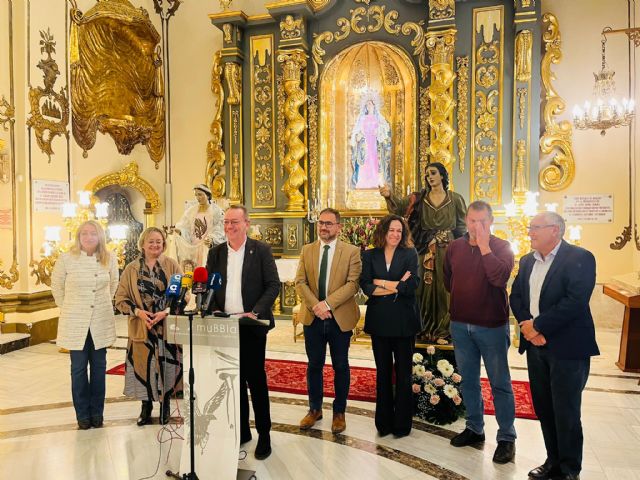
(172,293)
(214,283)
(199,286)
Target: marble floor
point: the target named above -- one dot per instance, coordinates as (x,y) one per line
(39,437)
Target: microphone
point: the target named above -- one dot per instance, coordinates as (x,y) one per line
(214,283)
(185,285)
(199,285)
(173,290)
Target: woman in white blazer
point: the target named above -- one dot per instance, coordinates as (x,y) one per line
(83,283)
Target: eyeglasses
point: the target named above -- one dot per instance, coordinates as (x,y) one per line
(327,224)
(232,222)
(535,228)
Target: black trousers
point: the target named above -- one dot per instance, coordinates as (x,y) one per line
(253,343)
(394,413)
(556,389)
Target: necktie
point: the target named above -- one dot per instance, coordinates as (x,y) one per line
(322,279)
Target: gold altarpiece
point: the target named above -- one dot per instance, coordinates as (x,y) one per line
(320,101)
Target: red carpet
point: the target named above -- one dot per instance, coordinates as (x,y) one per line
(290,377)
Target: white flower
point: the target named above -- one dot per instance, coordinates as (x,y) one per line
(445,368)
(431,350)
(418,370)
(450,391)
(417,358)
(430,389)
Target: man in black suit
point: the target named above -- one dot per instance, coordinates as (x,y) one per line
(550,299)
(250,286)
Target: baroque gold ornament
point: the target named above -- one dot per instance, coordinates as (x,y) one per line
(291,27)
(49,114)
(524,42)
(7,112)
(559,174)
(462,67)
(215,174)
(440,46)
(116,78)
(441,9)
(293,62)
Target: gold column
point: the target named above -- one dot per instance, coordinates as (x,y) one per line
(441,45)
(294,61)
(216,174)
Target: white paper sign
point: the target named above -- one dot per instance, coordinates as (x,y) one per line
(49,195)
(589,208)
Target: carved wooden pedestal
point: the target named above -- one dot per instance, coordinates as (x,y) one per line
(629,357)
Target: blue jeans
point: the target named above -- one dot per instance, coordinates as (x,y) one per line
(316,337)
(88,391)
(473,343)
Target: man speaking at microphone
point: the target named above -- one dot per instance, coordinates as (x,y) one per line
(250,285)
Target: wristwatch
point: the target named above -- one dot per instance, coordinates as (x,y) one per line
(255,313)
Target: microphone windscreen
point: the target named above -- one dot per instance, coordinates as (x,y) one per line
(174,286)
(200,275)
(187,280)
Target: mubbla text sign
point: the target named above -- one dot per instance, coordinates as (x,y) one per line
(588,208)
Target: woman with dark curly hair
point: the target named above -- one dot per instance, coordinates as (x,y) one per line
(435,217)
(390,278)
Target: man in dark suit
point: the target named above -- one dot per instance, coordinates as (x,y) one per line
(250,286)
(550,299)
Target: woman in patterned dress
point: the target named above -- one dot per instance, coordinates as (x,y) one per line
(153,367)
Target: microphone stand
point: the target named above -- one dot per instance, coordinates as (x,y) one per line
(192,426)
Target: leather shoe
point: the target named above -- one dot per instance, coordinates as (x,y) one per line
(505,452)
(466,438)
(145,413)
(84,424)
(545,471)
(165,415)
(310,419)
(263,448)
(339,423)
(97,422)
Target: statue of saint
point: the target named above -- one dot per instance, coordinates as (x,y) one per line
(370,149)
(199,228)
(436,217)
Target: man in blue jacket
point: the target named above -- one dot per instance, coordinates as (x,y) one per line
(550,299)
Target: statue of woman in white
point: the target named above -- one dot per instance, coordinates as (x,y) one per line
(199,228)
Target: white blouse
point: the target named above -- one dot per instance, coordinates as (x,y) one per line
(83,289)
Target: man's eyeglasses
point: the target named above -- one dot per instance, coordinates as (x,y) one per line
(535,228)
(327,224)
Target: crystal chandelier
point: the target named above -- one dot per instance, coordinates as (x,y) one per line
(607,112)
(73,215)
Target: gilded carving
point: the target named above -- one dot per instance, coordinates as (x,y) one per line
(280,121)
(556,138)
(235,196)
(8,280)
(262,107)
(440,46)
(312,107)
(291,298)
(49,114)
(441,9)
(292,236)
(486,116)
(216,175)
(273,235)
(520,184)
(293,63)
(7,112)
(376,19)
(425,113)
(233,76)
(129,176)
(522,105)
(235,114)
(462,67)
(524,42)
(291,27)
(227,28)
(117,87)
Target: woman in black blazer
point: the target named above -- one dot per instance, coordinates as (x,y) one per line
(390,278)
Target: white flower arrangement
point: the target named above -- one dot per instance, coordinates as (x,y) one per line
(435,386)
